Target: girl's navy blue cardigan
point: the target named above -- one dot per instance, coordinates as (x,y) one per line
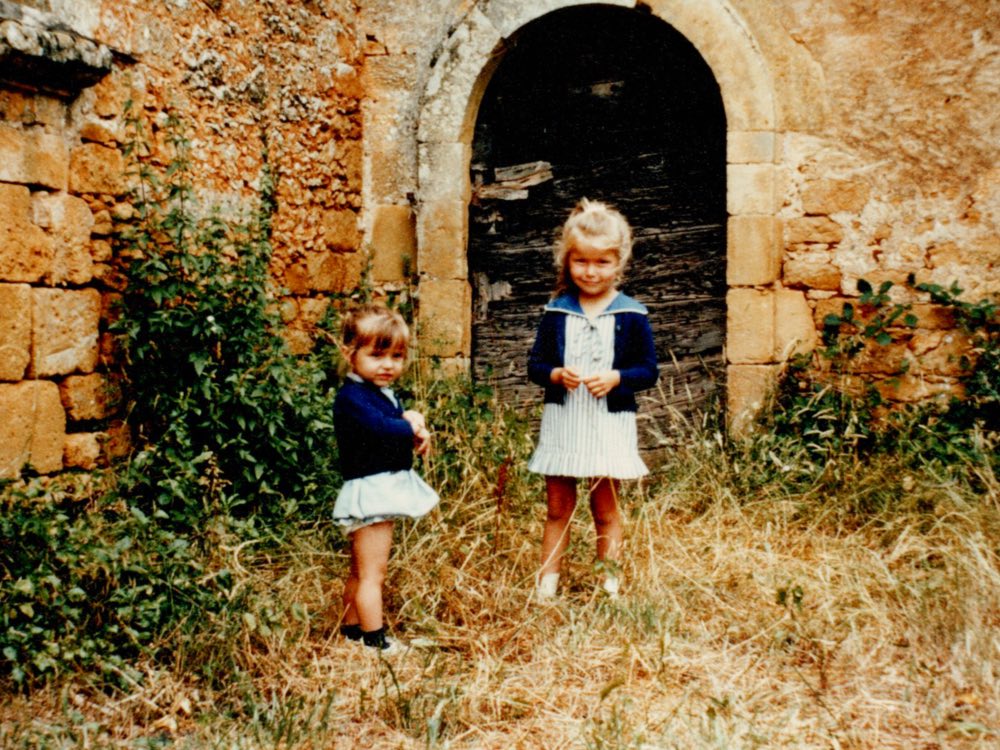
(635,354)
(372,435)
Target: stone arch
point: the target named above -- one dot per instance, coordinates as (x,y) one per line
(458,79)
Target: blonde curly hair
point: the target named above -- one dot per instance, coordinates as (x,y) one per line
(595,224)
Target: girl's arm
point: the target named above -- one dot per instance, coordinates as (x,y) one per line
(543,357)
(361,416)
(639,371)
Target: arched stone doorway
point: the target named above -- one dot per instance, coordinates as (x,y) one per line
(741,65)
(611,104)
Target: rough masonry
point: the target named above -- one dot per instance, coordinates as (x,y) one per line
(862,142)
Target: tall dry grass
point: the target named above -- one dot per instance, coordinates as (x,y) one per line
(750,618)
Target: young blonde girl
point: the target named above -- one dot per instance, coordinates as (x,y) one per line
(593,351)
(376,440)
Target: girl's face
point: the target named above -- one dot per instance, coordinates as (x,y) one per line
(378,366)
(593,270)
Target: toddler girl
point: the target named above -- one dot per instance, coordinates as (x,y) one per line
(376,440)
(593,351)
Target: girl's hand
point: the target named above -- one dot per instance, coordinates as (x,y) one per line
(601,383)
(421,436)
(567,377)
(421,441)
(416,420)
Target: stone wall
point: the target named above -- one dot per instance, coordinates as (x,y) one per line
(863,142)
(242,74)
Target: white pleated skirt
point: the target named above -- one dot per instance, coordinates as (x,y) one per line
(382,497)
(580,437)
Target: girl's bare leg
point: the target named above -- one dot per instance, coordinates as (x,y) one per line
(561,497)
(370,546)
(350,615)
(607,519)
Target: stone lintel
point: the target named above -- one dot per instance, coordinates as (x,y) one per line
(39,52)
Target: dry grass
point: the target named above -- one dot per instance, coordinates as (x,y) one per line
(743,625)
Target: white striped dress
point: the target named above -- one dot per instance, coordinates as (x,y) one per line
(580,437)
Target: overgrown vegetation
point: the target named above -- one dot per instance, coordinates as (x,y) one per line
(831,580)
(229,420)
(831,418)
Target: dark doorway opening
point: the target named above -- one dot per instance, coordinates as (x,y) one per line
(611,104)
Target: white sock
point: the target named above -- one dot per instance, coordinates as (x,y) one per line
(546,586)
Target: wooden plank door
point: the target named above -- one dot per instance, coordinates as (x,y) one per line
(615,105)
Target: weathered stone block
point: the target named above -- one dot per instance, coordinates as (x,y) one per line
(391,160)
(812,229)
(326,272)
(748,391)
(753,250)
(457,82)
(64,331)
(15,330)
(444,318)
(794,328)
(82,450)
(393,242)
(31,108)
(442,229)
(69,222)
(100,251)
(298,340)
(443,171)
(750,326)
(932,316)
(33,158)
(911,388)
(110,94)
(96,169)
(33,428)
(350,155)
(751,147)
(751,189)
(312,311)
(340,230)
(942,353)
(100,132)
(812,270)
(89,397)
(834,196)
(25,249)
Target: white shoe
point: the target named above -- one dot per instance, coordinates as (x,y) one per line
(393,647)
(389,646)
(546,586)
(611,586)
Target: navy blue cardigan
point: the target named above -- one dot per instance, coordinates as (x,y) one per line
(635,354)
(372,435)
